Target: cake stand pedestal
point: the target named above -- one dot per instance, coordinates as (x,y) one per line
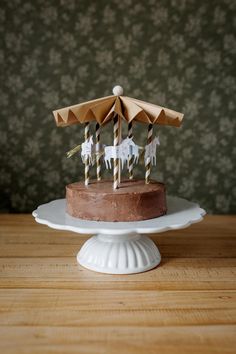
(120,247)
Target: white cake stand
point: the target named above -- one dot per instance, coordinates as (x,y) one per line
(120,247)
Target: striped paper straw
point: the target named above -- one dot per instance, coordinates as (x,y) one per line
(148,160)
(98,159)
(86,167)
(130,160)
(116,160)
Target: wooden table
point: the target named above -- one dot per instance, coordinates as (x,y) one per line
(49,304)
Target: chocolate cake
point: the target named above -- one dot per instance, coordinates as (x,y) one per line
(133,201)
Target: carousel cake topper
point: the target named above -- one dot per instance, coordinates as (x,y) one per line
(120,216)
(116,108)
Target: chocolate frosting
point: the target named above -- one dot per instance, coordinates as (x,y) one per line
(133,201)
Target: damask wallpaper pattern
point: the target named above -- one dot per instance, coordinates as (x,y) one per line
(176,53)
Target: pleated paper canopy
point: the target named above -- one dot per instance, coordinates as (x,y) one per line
(102,110)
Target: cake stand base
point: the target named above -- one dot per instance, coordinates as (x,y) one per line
(119,254)
(120,247)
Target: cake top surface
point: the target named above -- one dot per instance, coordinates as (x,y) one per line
(125,187)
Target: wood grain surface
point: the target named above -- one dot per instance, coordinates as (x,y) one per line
(50,304)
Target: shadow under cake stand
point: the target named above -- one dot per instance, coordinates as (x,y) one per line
(120,247)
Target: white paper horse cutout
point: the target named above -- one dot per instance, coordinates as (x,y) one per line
(87,151)
(134,151)
(122,152)
(150,150)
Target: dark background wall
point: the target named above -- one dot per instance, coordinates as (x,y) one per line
(176,53)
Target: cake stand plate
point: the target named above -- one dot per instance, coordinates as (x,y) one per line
(120,247)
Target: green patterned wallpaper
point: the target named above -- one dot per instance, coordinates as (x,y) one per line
(176,53)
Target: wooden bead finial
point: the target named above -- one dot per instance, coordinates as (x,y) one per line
(118,90)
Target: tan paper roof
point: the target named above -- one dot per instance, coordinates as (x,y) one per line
(103,109)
